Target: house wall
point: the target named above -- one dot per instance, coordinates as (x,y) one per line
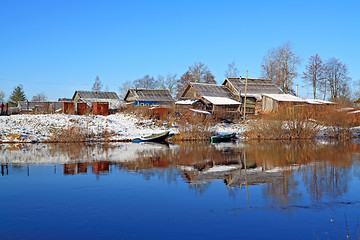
(269,104)
(130,97)
(232,89)
(191,94)
(76,97)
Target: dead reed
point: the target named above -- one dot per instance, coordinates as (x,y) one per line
(302,122)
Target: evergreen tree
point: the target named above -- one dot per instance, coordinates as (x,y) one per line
(17,95)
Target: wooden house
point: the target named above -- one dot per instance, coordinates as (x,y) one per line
(149,97)
(254,91)
(90,97)
(218,97)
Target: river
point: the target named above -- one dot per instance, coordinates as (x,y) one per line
(242,190)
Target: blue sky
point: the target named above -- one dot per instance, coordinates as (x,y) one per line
(59,46)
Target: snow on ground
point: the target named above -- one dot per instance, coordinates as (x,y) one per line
(39,128)
(28,128)
(226,128)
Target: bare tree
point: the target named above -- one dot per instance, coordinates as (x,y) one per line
(171,82)
(314,74)
(124,88)
(280,66)
(198,73)
(337,79)
(97,85)
(232,70)
(161,81)
(146,82)
(40,97)
(168,83)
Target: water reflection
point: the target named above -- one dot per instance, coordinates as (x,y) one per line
(282,169)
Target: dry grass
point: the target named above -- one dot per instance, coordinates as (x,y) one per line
(293,123)
(72,134)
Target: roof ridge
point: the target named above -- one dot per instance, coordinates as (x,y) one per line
(212,84)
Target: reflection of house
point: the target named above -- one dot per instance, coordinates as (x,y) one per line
(45,107)
(254,90)
(89,98)
(218,97)
(149,97)
(74,168)
(100,167)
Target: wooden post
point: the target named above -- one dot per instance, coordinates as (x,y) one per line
(245,95)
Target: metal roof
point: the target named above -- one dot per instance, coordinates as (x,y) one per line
(98,95)
(254,86)
(211,90)
(151,95)
(113,103)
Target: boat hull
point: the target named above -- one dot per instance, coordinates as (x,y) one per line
(153,138)
(222,138)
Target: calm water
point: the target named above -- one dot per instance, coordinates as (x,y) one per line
(259,190)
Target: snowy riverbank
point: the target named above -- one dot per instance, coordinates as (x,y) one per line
(119,127)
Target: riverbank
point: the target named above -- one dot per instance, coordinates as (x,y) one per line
(74,128)
(123,127)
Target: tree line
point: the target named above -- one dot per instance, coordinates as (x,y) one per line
(328,79)
(18,94)
(198,72)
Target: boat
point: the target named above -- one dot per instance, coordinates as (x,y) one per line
(159,137)
(223,138)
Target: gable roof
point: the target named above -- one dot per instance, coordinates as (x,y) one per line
(99,95)
(209,90)
(151,95)
(255,87)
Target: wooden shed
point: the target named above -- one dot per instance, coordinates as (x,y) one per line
(272,102)
(90,97)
